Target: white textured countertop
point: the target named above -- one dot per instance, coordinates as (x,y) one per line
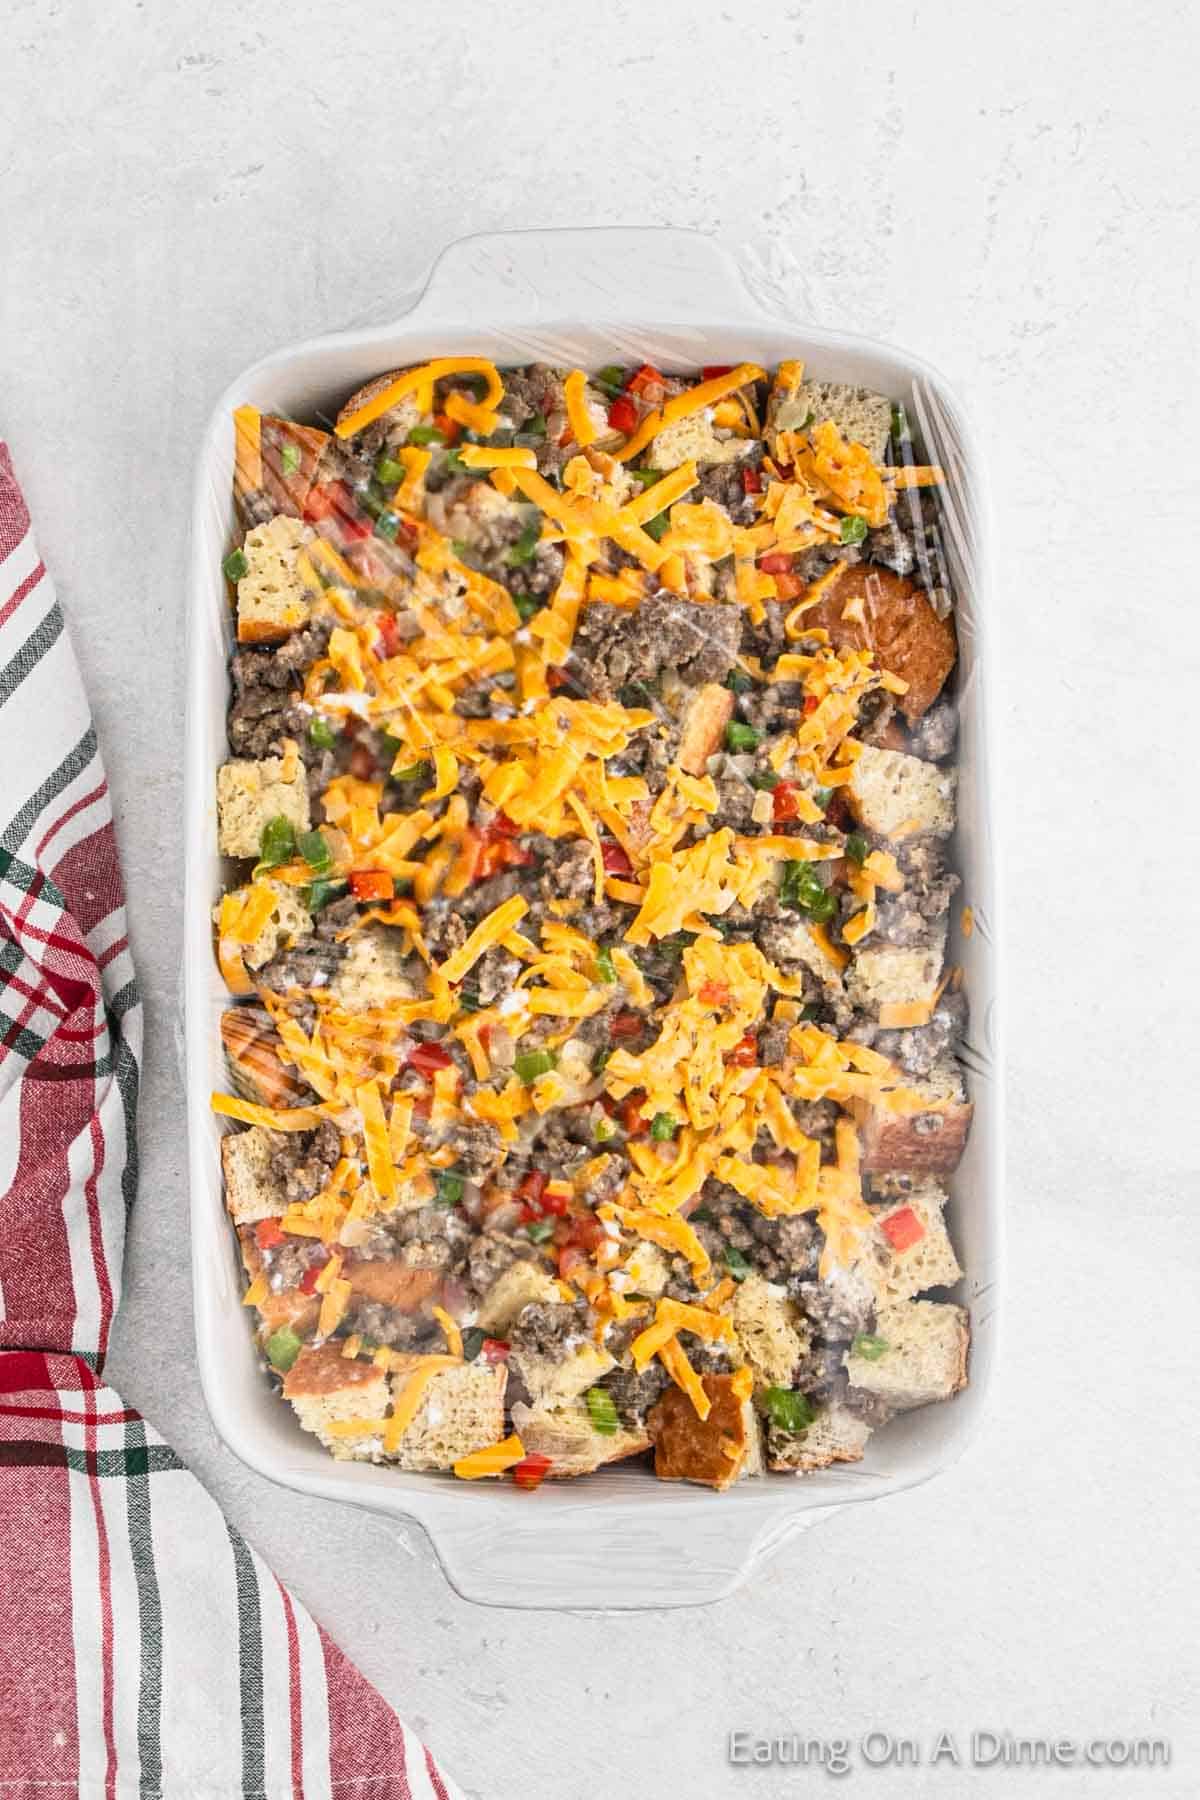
(1013,191)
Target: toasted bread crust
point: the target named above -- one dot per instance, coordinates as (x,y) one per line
(688,1448)
(708,713)
(364,395)
(289,487)
(252,1046)
(901,628)
(316,1374)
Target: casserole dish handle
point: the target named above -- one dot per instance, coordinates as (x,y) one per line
(589,1557)
(605,274)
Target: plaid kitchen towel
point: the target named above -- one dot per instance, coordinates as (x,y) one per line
(144,1647)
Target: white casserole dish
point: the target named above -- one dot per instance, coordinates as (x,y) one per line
(618,1538)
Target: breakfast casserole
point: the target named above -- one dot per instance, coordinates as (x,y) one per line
(592,1041)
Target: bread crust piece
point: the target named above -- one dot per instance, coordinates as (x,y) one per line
(900,626)
(928,1142)
(368,392)
(709,1451)
(707,714)
(385,1281)
(567,1436)
(258,1070)
(292,457)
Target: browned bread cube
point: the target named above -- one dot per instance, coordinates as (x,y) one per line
(900,626)
(709,1451)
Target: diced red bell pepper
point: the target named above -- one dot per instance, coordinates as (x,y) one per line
(810,705)
(744,1054)
(450,428)
(389,635)
(555,1204)
(570,1259)
(268,1236)
(751,481)
(498,855)
(502,826)
(557,678)
(335,500)
(641,379)
(625,1025)
(784,805)
(372,884)
(532,1470)
(776,562)
(308,1281)
(710,371)
(902,1229)
(427,1059)
(631,1115)
(587,1232)
(614,858)
(623,415)
(488,862)
(789,587)
(713,993)
(494,1350)
(531,1189)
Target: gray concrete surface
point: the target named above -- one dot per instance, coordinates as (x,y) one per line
(1014,191)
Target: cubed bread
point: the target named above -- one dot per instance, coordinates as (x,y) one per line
(250,795)
(647,1269)
(289,922)
(792,940)
(461,1410)
(253,1187)
(862,417)
(256,1065)
(554,1381)
(568,1437)
(912,1251)
(515,1288)
(271,597)
(372,973)
(925,1358)
(770,1332)
(896,795)
(836,1435)
(702,728)
(896,974)
(694,440)
(712,1451)
(929,1139)
(327,1388)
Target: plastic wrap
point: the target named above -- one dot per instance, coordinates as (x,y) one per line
(619,1538)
